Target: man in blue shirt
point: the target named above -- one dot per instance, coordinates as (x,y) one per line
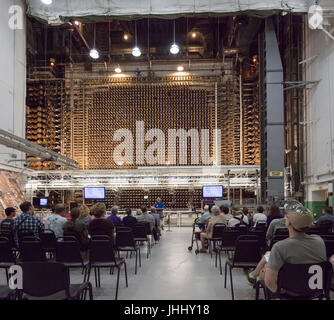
(327,215)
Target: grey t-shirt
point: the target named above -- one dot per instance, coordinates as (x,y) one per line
(300,249)
(274,225)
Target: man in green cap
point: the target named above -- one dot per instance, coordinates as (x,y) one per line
(299,248)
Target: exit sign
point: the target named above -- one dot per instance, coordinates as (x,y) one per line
(276,174)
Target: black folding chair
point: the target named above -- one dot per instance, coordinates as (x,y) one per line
(261,234)
(68,253)
(217,234)
(229,238)
(325,227)
(7,257)
(125,242)
(293,282)
(276,239)
(31,250)
(7,294)
(281,232)
(313,231)
(246,256)
(50,281)
(329,243)
(49,241)
(101,255)
(140,235)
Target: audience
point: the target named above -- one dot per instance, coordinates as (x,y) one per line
(274,225)
(246,213)
(27,222)
(85,216)
(99,224)
(7,225)
(146,217)
(129,220)
(216,218)
(327,215)
(238,218)
(77,228)
(55,221)
(299,248)
(259,216)
(274,213)
(116,220)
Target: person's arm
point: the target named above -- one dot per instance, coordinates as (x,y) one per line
(270,279)
(270,231)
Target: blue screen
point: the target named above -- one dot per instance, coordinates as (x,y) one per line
(43,202)
(95,193)
(214,192)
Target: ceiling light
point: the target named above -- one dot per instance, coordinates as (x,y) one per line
(193,34)
(180,68)
(94,54)
(136,52)
(118,69)
(174,49)
(125,37)
(76,22)
(47,2)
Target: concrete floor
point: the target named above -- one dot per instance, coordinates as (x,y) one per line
(171,273)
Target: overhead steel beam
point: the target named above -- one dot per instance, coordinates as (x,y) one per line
(12,141)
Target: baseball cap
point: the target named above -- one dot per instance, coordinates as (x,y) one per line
(301,221)
(236,208)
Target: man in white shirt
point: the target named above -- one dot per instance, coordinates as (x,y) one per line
(56,221)
(238,218)
(259,216)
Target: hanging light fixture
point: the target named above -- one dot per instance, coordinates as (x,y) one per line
(93,52)
(179,68)
(174,49)
(118,69)
(136,51)
(47,2)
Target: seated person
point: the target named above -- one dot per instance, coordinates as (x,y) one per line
(273,214)
(7,225)
(259,216)
(116,220)
(238,218)
(77,228)
(205,216)
(85,216)
(216,218)
(157,219)
(274,225)
(146,217)
(327,215)
(299,248)
(55,221)
(225,211)
(129,220)
(100,225)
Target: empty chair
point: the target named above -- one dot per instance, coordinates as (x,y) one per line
(261,234)
(228,240)
(7,257)
(125,242)
(50,281)
(49,241)
(247,255)
(32,251)
(325,227)
(101,255)
(68,253)
(140,235)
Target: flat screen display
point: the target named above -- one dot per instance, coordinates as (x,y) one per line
(95,193)
(43,202)
(212,192)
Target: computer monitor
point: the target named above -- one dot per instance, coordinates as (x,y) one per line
(94,193)
(212,192)
(43,202)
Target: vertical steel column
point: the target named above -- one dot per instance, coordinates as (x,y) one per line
(275,115)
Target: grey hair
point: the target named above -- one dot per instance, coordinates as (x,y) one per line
(215,210)
(114,210)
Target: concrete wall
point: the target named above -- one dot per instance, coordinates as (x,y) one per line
(319,118)
(12,76)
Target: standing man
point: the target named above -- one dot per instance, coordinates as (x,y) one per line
(159,205)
